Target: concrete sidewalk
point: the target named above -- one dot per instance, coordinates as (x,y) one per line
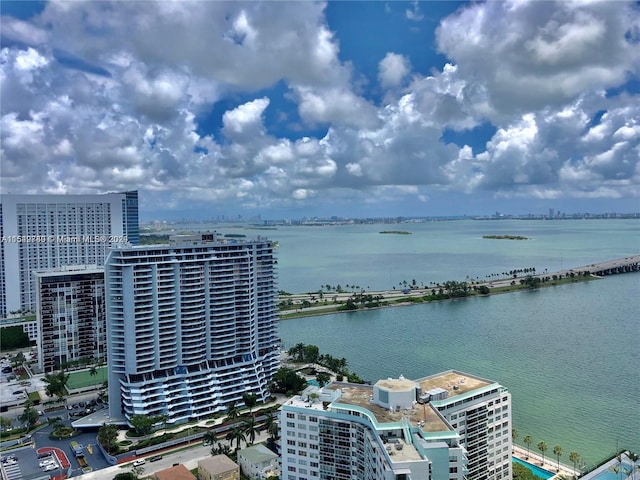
(549,462)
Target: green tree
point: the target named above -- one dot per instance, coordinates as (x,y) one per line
(530,281)
(142,424)
(557,451)
(56,384)
(311,353)
(287,381)
(236,435)
(271,426)
(162,418)
(528,441)
(574,457)
(514,434)
(108,438)
(232,411)
(29,417)
(93,371)
(250,429)
(542,446)
(5,423)
(297,352)
(520,472)
(323,378)
(125,476)
(209,437)
(18,360)
(221,449)
(250,401)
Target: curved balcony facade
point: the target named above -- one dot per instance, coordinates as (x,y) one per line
(191,327)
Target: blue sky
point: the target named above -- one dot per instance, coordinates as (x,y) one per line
(293,109)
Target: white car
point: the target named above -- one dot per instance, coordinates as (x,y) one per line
(137,463)
(44,463)
(48,468)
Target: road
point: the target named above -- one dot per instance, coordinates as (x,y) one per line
(188,457)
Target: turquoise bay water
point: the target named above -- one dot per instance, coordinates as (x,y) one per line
(439,251)
(537,471)
(568,354)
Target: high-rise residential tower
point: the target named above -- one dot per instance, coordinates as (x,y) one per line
(50,231)
(191,326)
(480,411)
(450,426)
(71,317)
(347,431)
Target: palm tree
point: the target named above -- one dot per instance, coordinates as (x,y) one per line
(251,429)
(271,426)
(57,384)
(542,446)
(163,418)
(574,457)
(528,441)
(236,434)
(209,437)
(232,411)
(514,436)
(557,451)
(250,400)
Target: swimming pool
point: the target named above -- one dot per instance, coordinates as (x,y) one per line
(537,471)
(313,382)
(607,474)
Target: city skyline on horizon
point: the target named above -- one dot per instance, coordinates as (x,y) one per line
(290,110)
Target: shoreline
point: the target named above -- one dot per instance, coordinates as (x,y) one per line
(306,304)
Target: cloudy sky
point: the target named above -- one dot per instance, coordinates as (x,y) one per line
(292,109)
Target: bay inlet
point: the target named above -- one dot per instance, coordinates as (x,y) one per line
(570,355)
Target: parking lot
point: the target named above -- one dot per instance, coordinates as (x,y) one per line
(25,463)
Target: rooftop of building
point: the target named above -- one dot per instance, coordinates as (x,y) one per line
(422,416)
(396,384)
(454,382)
(218,464)
(179,472)
(257,454)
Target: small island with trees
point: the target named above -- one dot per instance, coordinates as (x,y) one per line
(505,237)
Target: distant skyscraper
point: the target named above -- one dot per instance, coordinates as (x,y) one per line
(71,316)
(191,326)
(50,231)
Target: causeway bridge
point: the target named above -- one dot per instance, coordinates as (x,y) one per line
(611,267)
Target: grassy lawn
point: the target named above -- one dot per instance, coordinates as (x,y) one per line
(82,378)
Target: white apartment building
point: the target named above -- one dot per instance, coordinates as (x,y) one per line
(480,411)
(349,431)
(71,316)
(50,231)
(191,326)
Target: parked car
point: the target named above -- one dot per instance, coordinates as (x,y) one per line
(137,463)
(48,468)
(44,463)
(155,458)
